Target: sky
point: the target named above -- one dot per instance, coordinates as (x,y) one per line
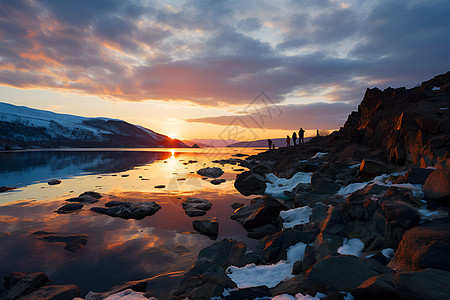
(215,69)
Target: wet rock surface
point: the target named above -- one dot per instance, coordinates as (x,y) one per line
(195,207)
(213,172)
(69,208)
(128,210)
(249,183)
(209,227)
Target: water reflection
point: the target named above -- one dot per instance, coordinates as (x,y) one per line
(25,167)
(117,250)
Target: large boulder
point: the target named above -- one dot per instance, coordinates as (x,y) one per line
(21,284)
(432,284)
(225,253)
(341,273)
(260,218)
(249,183)
(437,185)
(261,291)
(371,168)
(128,210)
(213,172)
(54,292)
(425,246)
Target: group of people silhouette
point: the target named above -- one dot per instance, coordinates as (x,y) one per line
(301,139)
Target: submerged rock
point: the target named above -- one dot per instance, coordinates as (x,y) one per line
(69,208)
(54,182)
(129,210)
(73,242)
(210,172)
(209,227)
(217,181)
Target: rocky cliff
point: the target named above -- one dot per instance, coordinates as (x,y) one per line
(401,126)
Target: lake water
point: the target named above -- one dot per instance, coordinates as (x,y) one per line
(118,250)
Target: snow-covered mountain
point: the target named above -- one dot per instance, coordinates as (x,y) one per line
(24,127)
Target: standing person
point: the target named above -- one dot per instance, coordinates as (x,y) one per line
(273,146)
(301,136)
(317,132)
(269,141)
(294,138)
(288,141)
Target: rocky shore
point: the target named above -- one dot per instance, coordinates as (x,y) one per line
(360,214)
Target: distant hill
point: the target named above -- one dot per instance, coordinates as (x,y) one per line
(210,142)
(279,142)
(24,127)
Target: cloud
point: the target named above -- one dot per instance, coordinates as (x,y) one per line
(287,117)
(222,53)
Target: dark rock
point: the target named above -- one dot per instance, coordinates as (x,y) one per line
(137,286)
(209,227)
(114,203)
(329,178)
(437,185)
(69,208)
(297,268)
(291,286)
(425,246)
(261,169)
(417,175)
(250,293)
(371,169)
(237,205)
(341,273)
(249,183)
(129,210)
(239,155)
(217,181)
(54,292)
(21,284)
(273,248)
(6,188)
(310,198)
(54,182)
(324,185)
(73,242)
(210,172)
(309,258)
(92,194)
(261,217)
(225,253)
(424,284)
(159,186)
(195,146)
(195,207)
(87,197)
(318,215)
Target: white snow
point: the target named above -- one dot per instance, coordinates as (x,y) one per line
(351,247)
(436,88)
(352,187)
(276,186)
(295,216)
(127,294)
(428,213)
(299,296)
(354,166)
(443,108)
(319,154)
(269,275)
(348,296)
(388,252)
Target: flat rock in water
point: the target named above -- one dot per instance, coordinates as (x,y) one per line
(129,210)
(237,205)
(69,208)
(6,188)
(196,203)
(73,242)
(249,183)
(217,181)
(92,194)
(54,182)
(159,186)
(194,212)
(21,284)
(214,172)
(114,203)
(86,197)
(209,227)
(54,292)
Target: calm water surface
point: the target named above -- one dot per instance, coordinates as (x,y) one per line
(118,250)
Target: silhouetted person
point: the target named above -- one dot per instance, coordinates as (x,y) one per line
(273,146)
(317,132)
(301,136)
(288,141)
(269,141)
(294,138)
